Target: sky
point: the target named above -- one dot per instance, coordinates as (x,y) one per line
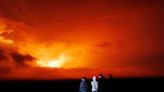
(63,39)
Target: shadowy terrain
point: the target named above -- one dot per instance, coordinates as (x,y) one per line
(115,85)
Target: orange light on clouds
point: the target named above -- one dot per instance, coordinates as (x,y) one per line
(110,36)
(3,29)
(58,55)
(53,63)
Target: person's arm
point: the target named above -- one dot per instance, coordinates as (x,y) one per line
(97,85)
(80,87)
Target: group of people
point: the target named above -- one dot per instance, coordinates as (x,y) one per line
(97,85)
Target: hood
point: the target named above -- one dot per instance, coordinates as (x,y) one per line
(94,78)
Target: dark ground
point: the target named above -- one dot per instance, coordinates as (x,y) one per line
(116,85)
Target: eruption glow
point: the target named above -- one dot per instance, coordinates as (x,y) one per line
(52,63)
(50,39)
(55,63)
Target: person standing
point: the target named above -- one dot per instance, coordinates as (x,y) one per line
(83,85)
(94,84)
(102,83)
(110,83)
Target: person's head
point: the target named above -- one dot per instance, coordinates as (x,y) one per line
(100,75)
(110,75)
(94,78)
(83,78)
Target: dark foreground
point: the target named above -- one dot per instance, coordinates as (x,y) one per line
(116,85)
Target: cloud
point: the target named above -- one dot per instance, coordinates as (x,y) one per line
(153,60)
(150,62)
(104,45)
(10,59)
(20,58)
(116,30)
(13,11)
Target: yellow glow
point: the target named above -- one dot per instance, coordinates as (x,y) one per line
(54,63)
(57,55)
(6,41)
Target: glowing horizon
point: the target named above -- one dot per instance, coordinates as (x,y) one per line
(64,39)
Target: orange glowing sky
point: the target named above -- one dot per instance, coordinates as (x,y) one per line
(53,39)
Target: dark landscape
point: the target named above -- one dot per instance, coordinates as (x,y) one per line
(115,85)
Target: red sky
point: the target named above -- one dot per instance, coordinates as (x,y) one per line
(85,37)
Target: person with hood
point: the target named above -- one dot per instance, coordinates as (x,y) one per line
(94,84)
(83,85)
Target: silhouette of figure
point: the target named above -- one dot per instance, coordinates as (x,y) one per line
(102,83)
(94,84)
(110,83)
(83,85)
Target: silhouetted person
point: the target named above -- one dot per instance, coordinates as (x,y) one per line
(102,83)
(110,83)
(83,85)
(94,84)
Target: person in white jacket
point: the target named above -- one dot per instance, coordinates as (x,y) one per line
(94,84)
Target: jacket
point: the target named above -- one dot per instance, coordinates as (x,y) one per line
(94,84)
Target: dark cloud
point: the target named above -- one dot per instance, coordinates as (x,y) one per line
(13,11)
(2,56)
(104,45)
(8,56)
(20,58)
(155,59)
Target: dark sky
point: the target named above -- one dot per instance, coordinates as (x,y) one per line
(123,37)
